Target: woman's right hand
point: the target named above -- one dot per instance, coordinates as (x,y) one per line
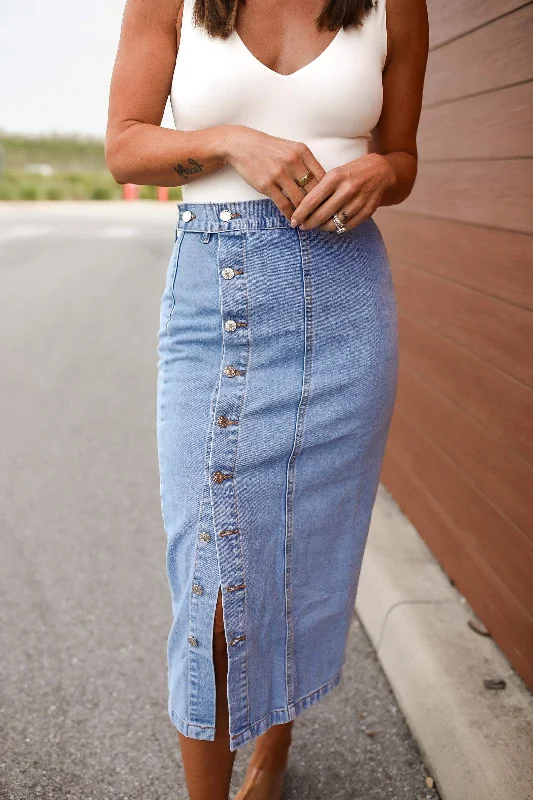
(271,165)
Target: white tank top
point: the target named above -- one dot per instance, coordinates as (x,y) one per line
(331,104)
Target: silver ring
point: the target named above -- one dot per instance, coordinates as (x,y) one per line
(338,224)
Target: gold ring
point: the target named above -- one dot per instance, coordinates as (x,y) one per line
(305,180)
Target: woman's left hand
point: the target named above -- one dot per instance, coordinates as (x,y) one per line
(353,191)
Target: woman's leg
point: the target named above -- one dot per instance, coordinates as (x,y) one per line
(264,777)
(208,764)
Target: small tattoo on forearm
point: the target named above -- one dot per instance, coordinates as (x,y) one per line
(184,172)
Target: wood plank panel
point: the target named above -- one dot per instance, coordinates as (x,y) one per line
(494,56)
(497,331)
(459,458)
(498,194)
(494,468)
(456,17)
(496,262)
(505,548)
(498,402)
(493,125)
(509,623)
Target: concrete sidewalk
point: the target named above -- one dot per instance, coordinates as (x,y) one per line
(477,743)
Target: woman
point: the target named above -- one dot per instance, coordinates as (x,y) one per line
(277,341)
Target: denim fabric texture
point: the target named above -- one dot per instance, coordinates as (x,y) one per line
(277,378)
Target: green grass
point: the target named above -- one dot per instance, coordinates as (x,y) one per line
(63,153)
(80,171)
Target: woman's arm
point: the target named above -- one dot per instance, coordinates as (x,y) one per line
(387,176)
(139,151)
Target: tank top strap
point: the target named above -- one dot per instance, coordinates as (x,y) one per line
(380,10)
(187,23)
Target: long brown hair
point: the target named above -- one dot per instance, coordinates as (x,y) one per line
(218,16)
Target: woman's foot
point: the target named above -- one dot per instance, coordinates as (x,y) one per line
(266,769)
(261,785)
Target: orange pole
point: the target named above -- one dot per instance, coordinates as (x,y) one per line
(131,191)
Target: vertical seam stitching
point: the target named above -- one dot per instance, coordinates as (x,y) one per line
(173,282)
(298,434)
(208,441)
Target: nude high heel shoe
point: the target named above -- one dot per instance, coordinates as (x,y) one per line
(266,769)
(261,784)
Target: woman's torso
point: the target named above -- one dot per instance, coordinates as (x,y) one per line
(331,104)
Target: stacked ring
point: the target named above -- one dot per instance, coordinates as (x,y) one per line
(338,224)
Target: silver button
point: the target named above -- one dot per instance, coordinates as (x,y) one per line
(230,325)
(225,215)
(186,216)
(204,536)
(228,273)
(193,641)
(197,589)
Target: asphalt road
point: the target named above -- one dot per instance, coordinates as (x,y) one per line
(84,602)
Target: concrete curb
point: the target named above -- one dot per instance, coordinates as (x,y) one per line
(477,743)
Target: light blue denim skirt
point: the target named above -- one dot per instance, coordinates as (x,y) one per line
(277,377)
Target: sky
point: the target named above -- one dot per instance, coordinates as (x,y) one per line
(56,59)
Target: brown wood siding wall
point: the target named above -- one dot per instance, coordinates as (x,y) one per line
(459,459)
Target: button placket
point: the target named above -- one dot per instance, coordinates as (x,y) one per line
(227,412)
(203,589)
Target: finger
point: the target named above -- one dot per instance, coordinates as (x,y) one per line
(311,163)
(289,186)
(332,205)
(324,188)
(283,203)
(350,208)
(303,169)
(323,212)
(295,172)
(311,183)
(353,221)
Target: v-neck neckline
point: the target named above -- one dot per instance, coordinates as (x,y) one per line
(290,74)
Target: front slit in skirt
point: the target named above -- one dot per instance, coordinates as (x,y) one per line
(277,377)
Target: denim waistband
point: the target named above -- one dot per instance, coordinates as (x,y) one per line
(238,215)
